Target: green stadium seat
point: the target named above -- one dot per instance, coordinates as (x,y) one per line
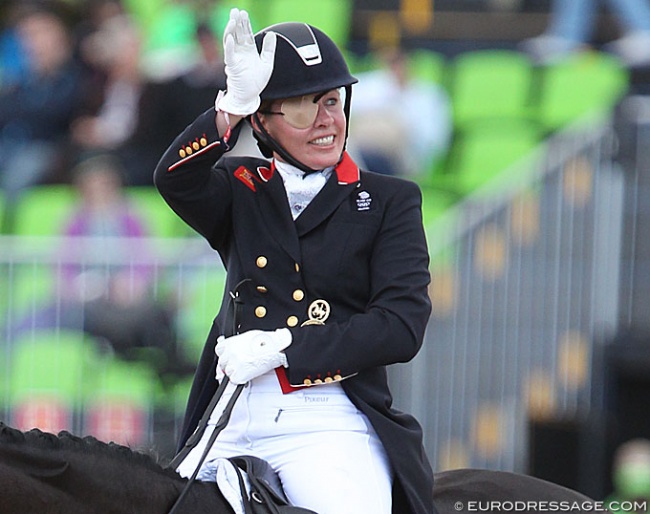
(360,63)
(198,304)
(30,287)
(427,65)
(158,217)
(589,82)
(169,25)
(435,202)
(3,206)
(257,12)
(179,396)
(54,361)
(486,84)
(144,11)
(50,373)
(5,368)
(26,288)
(331,16)
(483,151)
(120,405)
(124,381)
(43,210)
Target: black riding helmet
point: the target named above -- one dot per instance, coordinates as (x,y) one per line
(306,61)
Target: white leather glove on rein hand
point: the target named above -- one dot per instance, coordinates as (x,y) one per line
(247,71)
(248,355)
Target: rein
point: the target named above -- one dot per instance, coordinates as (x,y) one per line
(193,440)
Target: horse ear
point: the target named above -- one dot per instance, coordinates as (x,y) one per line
(40,467)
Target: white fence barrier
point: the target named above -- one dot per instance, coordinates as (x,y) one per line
(525,279)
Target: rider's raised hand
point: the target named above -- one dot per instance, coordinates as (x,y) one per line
(247,70)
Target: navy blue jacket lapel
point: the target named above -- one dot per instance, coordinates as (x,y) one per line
(274,210)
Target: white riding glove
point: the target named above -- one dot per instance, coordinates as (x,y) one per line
(247,71)
(248,355)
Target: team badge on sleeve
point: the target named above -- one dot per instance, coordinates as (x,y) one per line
(246,177)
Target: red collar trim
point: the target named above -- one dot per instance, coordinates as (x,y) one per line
(347,172)
(266,173)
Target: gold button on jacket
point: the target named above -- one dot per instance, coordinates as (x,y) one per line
(298,295)
(261,261)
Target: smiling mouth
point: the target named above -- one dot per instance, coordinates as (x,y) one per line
(323,141)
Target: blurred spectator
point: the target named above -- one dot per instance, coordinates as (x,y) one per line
(36,112)
(170,105)
(398,122)
(106,278)
(93,13)
(572,23)
(13,62)
(110,116)
(135,114)
(91,16)
(631,475)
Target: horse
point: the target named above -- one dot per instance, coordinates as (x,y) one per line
(481,490)
(43,473)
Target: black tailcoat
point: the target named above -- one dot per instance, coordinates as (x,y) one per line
(359,245)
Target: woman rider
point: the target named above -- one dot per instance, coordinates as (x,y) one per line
(330,266)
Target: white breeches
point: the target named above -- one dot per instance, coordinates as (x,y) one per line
(325,451)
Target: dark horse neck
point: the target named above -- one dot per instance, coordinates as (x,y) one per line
(40,473)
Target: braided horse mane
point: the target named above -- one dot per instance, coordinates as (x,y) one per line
(88,445)
(64,474)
